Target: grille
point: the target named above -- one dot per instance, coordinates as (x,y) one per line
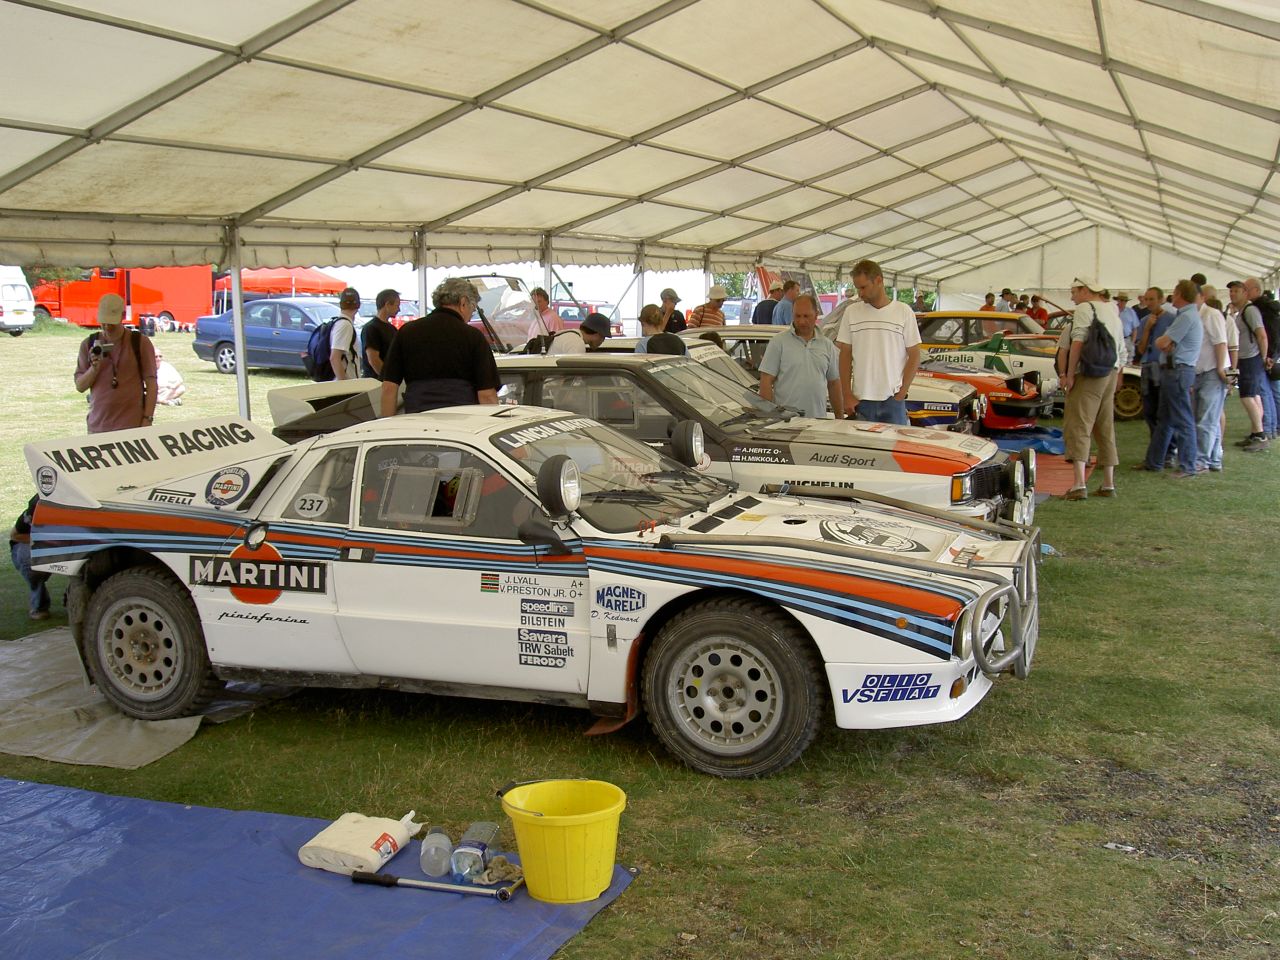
(989,481)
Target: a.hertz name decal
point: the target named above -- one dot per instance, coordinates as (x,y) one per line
(119,453)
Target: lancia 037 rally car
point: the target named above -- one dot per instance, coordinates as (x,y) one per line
(511,552)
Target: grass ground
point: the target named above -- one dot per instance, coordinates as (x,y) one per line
(1150,721)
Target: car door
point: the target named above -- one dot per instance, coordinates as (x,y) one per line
(433,583)
(259,332)
(289,337)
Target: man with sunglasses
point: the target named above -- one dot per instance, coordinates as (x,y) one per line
(118,368)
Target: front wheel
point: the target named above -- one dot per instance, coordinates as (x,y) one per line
(16,333)
(732,688)
(224,357)
(1128,400)
(144,646)
(42,313)
(165,321)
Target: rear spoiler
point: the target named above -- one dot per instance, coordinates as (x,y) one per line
(81,471)
(288,404)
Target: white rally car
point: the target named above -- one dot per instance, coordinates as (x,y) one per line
(528,554)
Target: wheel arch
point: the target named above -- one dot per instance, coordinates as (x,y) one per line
(98,568)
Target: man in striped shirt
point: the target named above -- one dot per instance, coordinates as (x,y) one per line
(879,343)
(710,314)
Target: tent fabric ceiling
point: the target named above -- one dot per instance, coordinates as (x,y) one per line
(936,136)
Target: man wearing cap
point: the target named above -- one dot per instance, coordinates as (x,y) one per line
(1006,302)
(118,368)
(1090,412)
(672,319)
(441,359)
(782,312)
(1129,324)
(376,337)
(593,332)
(879,344)
(1175,419)
(800,369)
(710,314)
(342,338)
(763,313)
(919,306)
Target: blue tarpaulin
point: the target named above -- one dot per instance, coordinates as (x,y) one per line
(86,875)
(1040,439)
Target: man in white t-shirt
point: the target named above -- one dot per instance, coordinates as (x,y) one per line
(879,343)
(342,337)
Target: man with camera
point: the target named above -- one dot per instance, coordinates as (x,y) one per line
(118,368)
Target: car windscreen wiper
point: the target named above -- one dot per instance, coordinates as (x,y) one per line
(622,496)
(746,416)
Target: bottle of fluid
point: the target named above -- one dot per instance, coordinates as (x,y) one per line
(472,854)
(437,850)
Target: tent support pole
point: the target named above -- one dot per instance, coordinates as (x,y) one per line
(420,268)
(546,265)
(639,279)
(237,321)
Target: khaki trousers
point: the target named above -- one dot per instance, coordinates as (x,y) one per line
(1090,413)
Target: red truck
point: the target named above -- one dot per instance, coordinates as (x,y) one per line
(175,296)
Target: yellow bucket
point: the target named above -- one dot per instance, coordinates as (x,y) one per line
(567,835)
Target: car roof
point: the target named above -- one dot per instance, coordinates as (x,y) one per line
(737,330)
(460,423)
(594,358)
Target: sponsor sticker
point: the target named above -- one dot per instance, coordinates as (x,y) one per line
(227,486)
(167,495)
(546,608)
(893,688)
(46,480)
(543,648)
(311,505)
(860,533)
(258,576)
(619,598)
(758,454)
(515,439)
(119,453)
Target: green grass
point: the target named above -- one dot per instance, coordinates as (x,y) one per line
(1150,720)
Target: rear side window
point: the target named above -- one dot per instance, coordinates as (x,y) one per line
(325,496)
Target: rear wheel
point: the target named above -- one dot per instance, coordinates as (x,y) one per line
(1128,401)
(16,333)
(224,357)
(165,321)
(144,646)
(732,688)
(42,313)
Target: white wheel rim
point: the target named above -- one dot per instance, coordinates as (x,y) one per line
(139,649)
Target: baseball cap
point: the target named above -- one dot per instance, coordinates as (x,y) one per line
(349,297)
(1121,296)
(111,309)
(776,285)
(717,292)
(597,323)
(1088,283)
(1235,283)
(669,294)
(1006,292)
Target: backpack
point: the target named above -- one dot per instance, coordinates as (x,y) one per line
(1270,311)
(319,351)
(1098,352)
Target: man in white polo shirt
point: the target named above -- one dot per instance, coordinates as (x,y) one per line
(799,368)
(879,343)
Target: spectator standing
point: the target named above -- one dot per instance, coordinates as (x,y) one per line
(441,359)
(801,369)
(879,344)
(1211,386)
(673,320)
(1006,302)
(376,337)
(1159,316)
(1090,411)
(653,339)
(1269,310)
(989,303)
(547,322)
(1129,324)
(710,314)
(782,312)
(1253,347)
(1175,418)
(118,368)
(919,306)
(342,338)
(592,332)
(20,553)
(763,313)
(1037,312)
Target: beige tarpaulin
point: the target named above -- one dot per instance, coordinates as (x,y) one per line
(936,136)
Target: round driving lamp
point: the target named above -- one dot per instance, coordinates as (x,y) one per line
(1029,464)
(559,485)
(688,443)
(570,486)
(1018,479)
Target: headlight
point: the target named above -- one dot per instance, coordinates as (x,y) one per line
(1029,463)
(962,639)
(570,486)
(1017,479)
(961,487)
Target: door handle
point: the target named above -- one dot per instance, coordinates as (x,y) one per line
(356,554)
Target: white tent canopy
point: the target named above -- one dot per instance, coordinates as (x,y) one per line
(935,137)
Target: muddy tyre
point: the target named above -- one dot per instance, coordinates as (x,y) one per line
(144,646)
(1128,400)
(733,688)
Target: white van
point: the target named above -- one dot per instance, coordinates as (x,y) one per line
(17,306)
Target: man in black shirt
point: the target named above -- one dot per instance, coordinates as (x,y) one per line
(376,337)
(442,360)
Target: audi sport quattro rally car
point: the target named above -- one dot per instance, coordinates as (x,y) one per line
(526,554)
(1012,403)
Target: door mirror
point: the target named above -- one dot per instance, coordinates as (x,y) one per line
(538,532)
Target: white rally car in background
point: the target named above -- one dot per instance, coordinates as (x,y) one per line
(521,553)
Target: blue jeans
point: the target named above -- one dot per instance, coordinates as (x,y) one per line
(1150,387)
(882,411)
(1175,421)
(20,553)
(1269,418)
(1211,393)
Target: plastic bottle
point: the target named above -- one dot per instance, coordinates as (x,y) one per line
(437,849)
(471,855)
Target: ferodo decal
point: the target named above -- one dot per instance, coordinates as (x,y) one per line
(860,533)
(167,495)
(258,576)
(892,688)
(46,480)
(754,453)
(119,453)
(227,486)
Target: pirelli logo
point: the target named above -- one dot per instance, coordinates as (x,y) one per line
(294,576)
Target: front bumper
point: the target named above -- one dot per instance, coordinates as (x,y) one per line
(875,696)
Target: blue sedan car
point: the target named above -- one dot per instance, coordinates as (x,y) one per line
(275,332)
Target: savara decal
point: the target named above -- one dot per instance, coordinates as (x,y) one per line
(259,617)
(759,454)
(858,533)
(165,495)
(119,453)
(544,648)
(515,439)
(843,459)
(892,688)
(46,480)
(227,486)
(258,576)
(620,599)
(310,505)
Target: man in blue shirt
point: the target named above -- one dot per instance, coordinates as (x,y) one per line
(763,313)
(782,312)
(801,369)
(1159,316)
(1175,419)
(1129,324)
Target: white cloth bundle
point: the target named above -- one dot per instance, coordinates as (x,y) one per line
(356,842)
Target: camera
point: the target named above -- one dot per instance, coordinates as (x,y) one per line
(105,347)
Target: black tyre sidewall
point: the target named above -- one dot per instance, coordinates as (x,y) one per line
(792,657)
(195,684)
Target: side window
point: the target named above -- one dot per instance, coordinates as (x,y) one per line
(949,331)
(612,399)
(290,317)
(325,496)
(259,314)
(436,489)
(512,390)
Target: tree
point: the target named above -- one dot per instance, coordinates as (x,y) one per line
(735,284)
(38,273)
